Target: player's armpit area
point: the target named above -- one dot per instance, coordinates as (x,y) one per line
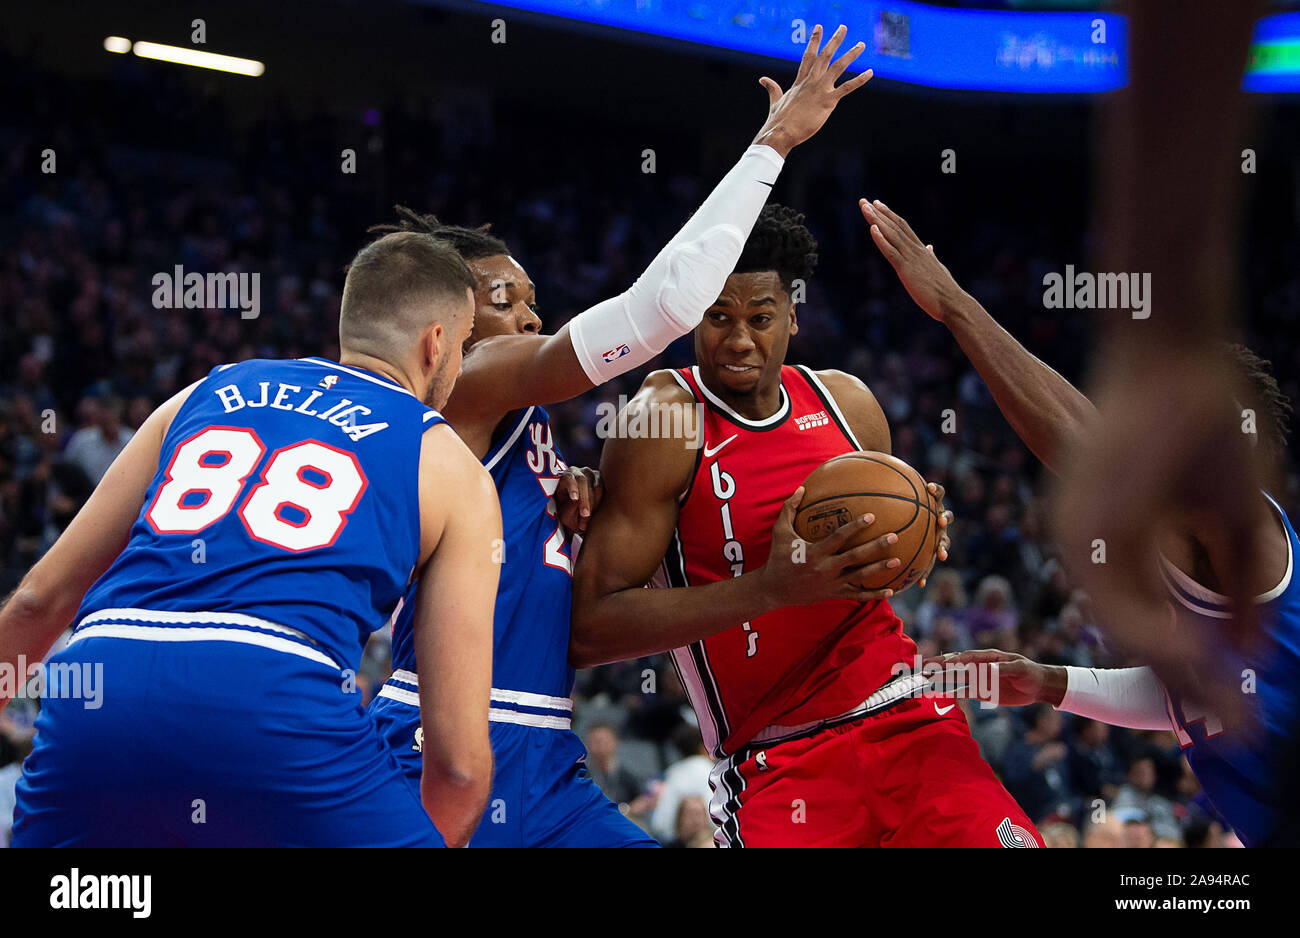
(860,408)
(507,372)
(48,597)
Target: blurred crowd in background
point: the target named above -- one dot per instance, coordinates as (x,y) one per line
(85,356)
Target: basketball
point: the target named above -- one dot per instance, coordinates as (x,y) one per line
(858,484)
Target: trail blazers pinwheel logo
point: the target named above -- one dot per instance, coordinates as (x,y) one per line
(1013,835)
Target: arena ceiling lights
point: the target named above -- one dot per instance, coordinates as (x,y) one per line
(180,55)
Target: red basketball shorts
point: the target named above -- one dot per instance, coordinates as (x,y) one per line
(908,777)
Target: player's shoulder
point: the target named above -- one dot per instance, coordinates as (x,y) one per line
(861,410)
(249,366)
(655,435)
(661,387)
(664,404)
(841,383)
(451,476)
(453,487)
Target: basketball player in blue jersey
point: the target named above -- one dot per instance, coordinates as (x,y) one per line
(233,562)
(542,795)
(1240,771)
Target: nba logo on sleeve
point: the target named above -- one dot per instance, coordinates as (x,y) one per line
(615,354)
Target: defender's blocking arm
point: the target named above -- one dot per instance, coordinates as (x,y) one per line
(1047,412)
(1130,697)
(670,297)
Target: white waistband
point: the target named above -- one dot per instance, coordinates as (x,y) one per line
(546,721)
(197,627)
(188,618)
(891,693)
(495,714)
(518,697)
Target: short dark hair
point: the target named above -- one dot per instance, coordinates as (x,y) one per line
(470,243)
(780,241)
(388,281)
(1271,405)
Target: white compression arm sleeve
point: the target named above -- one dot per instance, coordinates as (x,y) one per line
(669,299)
(1132,697)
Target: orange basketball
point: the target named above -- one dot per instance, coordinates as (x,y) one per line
(858,484)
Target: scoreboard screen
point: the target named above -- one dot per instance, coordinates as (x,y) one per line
(1042,52)
(988,50)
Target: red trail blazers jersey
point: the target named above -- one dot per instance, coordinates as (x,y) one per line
(796,665)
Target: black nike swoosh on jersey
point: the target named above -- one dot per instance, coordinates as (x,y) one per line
(768,184)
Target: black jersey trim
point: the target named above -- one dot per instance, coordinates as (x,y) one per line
(721,408)
(675,567)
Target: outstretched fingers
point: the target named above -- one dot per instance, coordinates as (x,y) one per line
(853,84)
(898,220)
(838,67)
(886,247)
(810,52)
(825,56)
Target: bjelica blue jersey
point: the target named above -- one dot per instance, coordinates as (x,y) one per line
(285,503)
(1240,775)
(531,620)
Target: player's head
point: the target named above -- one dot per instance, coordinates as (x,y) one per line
(741,344)
(1260,393)
(505,300)
(409,301)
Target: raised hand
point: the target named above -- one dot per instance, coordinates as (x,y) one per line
(797,114)
(927,281)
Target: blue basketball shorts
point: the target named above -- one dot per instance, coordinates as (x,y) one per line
(209,743)
(542,794)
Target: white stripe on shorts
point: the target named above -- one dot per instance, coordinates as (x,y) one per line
(157,633)
(518,697)
(495,715)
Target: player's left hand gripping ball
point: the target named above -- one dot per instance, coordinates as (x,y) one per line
(945,540)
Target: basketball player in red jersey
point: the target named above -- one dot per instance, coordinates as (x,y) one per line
(800,678)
